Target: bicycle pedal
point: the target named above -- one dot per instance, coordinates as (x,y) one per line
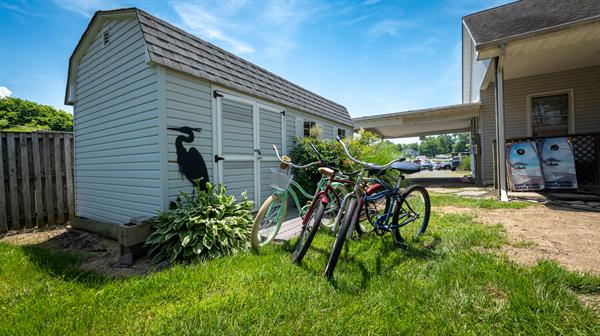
(401,245)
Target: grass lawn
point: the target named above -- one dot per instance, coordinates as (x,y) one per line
(451,282)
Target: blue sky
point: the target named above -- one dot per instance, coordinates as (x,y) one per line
(370,56)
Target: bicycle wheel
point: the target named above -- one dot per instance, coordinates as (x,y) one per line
(412,210)
(372,209)
(333,207)
(309,230)
(340,239)
(268,221)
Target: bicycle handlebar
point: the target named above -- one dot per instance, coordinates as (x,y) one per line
(367,164)
(294,165)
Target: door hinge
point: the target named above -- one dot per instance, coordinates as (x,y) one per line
(218,158)
(217,94)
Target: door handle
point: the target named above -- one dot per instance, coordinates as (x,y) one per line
(218,158)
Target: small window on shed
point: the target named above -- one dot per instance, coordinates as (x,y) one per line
(307,126)
(341,133)
(105,38)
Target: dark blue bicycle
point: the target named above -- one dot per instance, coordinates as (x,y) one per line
(392,210)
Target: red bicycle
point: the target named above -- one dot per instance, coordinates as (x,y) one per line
(312,219)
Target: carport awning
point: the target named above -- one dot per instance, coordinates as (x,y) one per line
(431,121)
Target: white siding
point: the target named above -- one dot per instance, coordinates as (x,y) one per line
(188,103)
(290,131)
(488,132)
(117,171)
(473,70)
(328,132)
(328,127)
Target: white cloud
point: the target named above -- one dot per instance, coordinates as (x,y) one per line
(391,27)
(5,92)
(245,26)
(209,27)
(19,9)
(426,46)
(85,7)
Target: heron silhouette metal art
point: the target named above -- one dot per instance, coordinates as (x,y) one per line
(190,161)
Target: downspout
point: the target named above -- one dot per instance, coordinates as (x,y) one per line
(500,135)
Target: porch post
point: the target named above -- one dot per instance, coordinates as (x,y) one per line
(473,131)
(500,136)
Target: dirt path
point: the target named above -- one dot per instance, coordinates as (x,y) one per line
(99,254)
(570,237)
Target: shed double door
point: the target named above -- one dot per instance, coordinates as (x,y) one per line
(246,131)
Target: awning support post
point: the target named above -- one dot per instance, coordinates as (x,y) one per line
(500,135)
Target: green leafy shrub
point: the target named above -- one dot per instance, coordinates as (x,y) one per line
(366,147)
(465,164)
(207,225)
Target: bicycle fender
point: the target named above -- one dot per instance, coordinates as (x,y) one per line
(373,187)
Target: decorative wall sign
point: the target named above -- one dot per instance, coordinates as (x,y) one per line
(524,168)
(558,163)
(190,161)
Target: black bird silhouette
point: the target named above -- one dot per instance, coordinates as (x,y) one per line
(191,164)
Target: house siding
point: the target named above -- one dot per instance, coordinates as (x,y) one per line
(295,126)
(116,133)
(584,82)
(487,127)
(188,103)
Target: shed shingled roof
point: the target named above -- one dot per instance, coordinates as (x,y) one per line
(525,17)
(174,48)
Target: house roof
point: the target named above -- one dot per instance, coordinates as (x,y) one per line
(528,18)
(177,49)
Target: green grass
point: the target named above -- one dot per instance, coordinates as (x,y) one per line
(466,202)
(444,284)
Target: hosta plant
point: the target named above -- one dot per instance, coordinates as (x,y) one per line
(205,225)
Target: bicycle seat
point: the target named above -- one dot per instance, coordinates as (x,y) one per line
(406,167)
(326,171)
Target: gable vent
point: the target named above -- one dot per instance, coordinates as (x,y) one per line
(105,38)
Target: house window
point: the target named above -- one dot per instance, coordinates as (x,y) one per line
(307,126)
(341,133)
(550,114)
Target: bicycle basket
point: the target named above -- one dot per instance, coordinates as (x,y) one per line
(280,180)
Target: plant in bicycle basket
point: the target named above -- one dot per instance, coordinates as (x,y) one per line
(204,226)
(302,153)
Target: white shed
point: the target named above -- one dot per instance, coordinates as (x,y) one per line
(138,84)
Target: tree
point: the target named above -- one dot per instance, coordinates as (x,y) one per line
(461,143)
(24,115)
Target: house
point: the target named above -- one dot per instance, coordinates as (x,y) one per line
(531,69)
(155,107)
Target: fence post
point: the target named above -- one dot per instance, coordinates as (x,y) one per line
(59,181)
(12,181)
(3,223)
(37,176)
(25,189)
(48,181)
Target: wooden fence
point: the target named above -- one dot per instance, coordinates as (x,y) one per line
(36,179)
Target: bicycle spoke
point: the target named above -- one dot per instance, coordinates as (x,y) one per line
(269,223)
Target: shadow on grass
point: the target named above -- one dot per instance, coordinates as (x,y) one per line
(64,266)
(386,257)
